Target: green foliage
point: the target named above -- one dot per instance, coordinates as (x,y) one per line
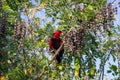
(114,70)
(26,63)
(16,74)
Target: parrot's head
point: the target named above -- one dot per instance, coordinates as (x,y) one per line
(57,34)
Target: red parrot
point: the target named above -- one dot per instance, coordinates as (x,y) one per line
(55,43)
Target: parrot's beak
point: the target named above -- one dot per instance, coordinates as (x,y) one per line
(61,34)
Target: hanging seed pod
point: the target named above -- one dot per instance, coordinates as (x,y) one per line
(19,33)
(23,30)
(18,29)
(119,4)
(104,11)
(0,16)
(15,31)
(110,12)
(74,39)
(116,10)
(21,44)
(0,4)
(3,25)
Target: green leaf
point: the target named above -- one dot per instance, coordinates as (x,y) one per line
(92,72)
(119,28)
(113,55)
(108,44)
(109,33)
(114,68)
(6,7)
(89,7)
(109,71)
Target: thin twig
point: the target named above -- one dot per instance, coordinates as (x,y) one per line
(103,73)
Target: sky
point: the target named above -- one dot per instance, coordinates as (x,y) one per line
(41,14)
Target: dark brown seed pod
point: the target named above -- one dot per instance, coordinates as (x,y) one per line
(3,24)
(74,41)
(19,33)
(0,4)
(119,4)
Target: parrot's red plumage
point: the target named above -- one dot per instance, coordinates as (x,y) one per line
(55,43)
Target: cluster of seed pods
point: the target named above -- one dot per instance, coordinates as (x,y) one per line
(19,32)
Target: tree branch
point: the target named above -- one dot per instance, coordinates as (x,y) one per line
(44,69)
(103,73)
